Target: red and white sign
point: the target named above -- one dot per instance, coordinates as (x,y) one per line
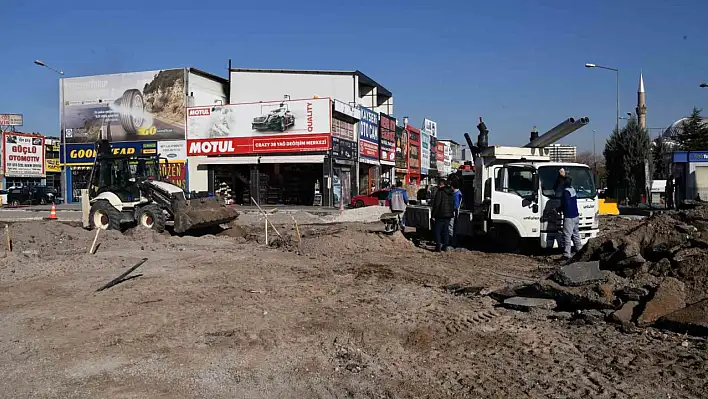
(262,145)
(260,128)
(440,151)
(23,155)
(368,149)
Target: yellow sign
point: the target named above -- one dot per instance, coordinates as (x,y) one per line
(52,165)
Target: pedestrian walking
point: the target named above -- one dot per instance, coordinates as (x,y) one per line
(669,192)
(457,202)
(571,218)
(442,213)
(398,201)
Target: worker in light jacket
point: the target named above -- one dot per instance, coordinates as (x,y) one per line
(571,218)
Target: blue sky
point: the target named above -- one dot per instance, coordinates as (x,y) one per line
(516,63)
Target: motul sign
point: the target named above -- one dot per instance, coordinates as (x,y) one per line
(211,147)
(199,111)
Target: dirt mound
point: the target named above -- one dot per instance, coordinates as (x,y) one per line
(665,245)
(636,275)
(50,239)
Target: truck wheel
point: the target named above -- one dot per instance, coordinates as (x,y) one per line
(104,216)
(132,109)
(152,217)
(507,239)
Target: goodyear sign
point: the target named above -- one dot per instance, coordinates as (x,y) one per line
(84,154)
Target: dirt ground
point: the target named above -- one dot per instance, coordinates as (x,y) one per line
(351,313)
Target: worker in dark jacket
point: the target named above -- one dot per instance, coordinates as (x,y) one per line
(443,211)
(571,218)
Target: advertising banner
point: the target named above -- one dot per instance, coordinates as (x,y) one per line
(175,150)
(440,151)
(347,109)
(368,134)
(138,106)
(447,158)
(344,149)
(413,149)
(84,154)
(343,129)
(24,155)
(424,152)
(401,148)
(387,140)
(11,119)
(174,172)
(433,155)
(52,165)
(264,127)
(430,127)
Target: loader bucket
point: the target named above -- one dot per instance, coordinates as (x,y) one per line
(200,213)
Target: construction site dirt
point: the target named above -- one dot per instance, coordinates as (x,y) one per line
(338,310)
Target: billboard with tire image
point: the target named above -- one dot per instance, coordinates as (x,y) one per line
(133,106)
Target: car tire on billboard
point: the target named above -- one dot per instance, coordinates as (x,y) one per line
(132,112)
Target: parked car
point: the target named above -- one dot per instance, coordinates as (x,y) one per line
(35,195)
(359,201)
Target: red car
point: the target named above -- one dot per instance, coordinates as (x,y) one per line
(359,201)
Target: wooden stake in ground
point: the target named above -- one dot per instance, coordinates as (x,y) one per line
(297,231)
(268,221)
(7,235)
(92,250)
(120,278)
(266,229)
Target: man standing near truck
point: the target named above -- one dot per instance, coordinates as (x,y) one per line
(397,201)
(443,212)
(571,218)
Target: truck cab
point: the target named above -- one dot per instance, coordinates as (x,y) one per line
(519,201)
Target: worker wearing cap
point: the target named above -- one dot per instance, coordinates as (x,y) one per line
(558,185)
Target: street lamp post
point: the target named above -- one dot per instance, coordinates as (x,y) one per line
(64,180)
(618,87)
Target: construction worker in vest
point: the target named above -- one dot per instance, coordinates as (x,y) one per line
(398,200)
(571,218)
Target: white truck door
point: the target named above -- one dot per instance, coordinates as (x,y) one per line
(515,199)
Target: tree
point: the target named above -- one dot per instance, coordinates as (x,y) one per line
(694,133)
(625,154)
(660,151)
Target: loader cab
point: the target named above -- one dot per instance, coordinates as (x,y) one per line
(122,176)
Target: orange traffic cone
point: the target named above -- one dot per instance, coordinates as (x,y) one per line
(53,213)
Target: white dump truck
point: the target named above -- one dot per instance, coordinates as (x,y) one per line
(511,194)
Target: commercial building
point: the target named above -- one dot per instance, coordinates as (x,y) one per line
(452,154)
(690,169)
(350,87)
(52,166)
(387,148)
(562,152)
(138,112)
(414,155)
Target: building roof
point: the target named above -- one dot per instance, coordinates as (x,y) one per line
(450,141)
(363,79)
(208,75)
(677,127)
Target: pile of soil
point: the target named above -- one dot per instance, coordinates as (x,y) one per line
(638,276)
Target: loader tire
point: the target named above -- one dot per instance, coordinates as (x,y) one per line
(152,217)
(132,108)
(104,216)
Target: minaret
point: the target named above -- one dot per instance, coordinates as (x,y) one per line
(641,104)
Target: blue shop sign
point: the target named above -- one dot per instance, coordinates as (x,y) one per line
(369,125)
(698,156)
(84,154)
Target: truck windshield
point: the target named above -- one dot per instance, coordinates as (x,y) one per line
(583,181)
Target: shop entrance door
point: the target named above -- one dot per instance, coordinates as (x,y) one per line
(345,177)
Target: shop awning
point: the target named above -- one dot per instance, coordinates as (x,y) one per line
(388,163)
(253,160)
